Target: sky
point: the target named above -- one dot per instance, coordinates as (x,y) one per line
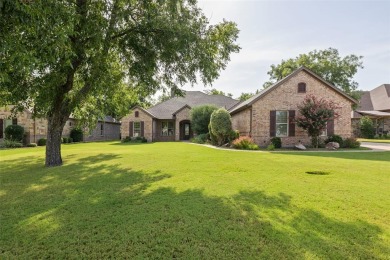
(271,31)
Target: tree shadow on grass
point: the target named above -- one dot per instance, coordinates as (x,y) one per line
(366,156)
(101,210)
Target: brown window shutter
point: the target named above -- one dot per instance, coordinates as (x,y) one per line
(272,123)
(14,121)
(291,123)
(1,128)
(131,129)
(142,128)
(330,127)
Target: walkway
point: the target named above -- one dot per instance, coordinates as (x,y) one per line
(377,146)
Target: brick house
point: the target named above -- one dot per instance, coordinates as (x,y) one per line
(36,128)
(170,120)
(271,112)
(376,105)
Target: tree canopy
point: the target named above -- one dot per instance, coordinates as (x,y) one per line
(327,63)
(215,91)
(79,56)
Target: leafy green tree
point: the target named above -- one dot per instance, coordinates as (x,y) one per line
(367,128)
(218,92)
(245,96)
(60,57)
(200,118)
(221,125)
(327,63)
(314,114)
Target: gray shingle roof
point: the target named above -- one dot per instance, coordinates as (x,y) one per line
(165,110)
(375,100)
(251,100)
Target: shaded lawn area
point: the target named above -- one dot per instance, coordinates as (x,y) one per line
(386,141)
(177,200)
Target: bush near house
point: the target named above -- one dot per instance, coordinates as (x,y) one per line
(76,134)
(245,143)
(41,142)
(14,133)
(367,129)
(31,145)
(138,139)
(351,143)
(200,118)
(335,138)
(11,144)
(277,142)
(200,139)
(220,126)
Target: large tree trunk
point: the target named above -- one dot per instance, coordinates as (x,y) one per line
(55,125)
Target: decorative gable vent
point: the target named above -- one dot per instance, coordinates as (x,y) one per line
(136,114)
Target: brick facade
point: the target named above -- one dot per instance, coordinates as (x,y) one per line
(142,117)
(36,128)
(286,97)
(183,114)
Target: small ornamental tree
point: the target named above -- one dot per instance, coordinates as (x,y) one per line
(14,133)
(221,125)
(200,118)
(367,127)
(314,114)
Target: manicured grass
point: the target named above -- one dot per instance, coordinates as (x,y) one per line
(374,140)
(178,200)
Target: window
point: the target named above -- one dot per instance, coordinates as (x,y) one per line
(167,128)
(136,114)
(101,129)
(302,87)
(281,123)
(136,129)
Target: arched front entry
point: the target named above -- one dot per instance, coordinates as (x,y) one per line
(185,130)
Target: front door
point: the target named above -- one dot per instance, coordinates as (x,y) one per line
(186,135)
(185,130)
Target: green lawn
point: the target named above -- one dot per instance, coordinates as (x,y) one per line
(178,200)
(374,140)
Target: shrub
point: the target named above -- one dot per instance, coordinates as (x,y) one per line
(41,142)
(234,135)
(271,147)
(200,118)
(277,142)
(14,133)
(212,137)
(200,139)
(126,139)
(367,127)
(70,140)
(351,143)
(138,139)
(11,144)
(76,134)
(245,143)
(31,145)
(221,125)
(335,138)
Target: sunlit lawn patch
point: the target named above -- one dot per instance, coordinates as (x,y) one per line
(178,200)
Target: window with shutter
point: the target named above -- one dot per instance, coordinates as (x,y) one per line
(291,123)
(302,87)
(272,123)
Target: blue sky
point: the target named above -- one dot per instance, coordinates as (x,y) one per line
(274,30)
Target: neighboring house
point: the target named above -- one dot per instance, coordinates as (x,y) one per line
(36,128)
(271,112)
(376,105)
(170,120)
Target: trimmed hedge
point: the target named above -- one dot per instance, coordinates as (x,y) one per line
(14,133)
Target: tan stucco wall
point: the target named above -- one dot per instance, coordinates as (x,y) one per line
(147,119)
(183,114)
(286,97)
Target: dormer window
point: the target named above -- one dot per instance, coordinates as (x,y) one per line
(136,114)
(302,87)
